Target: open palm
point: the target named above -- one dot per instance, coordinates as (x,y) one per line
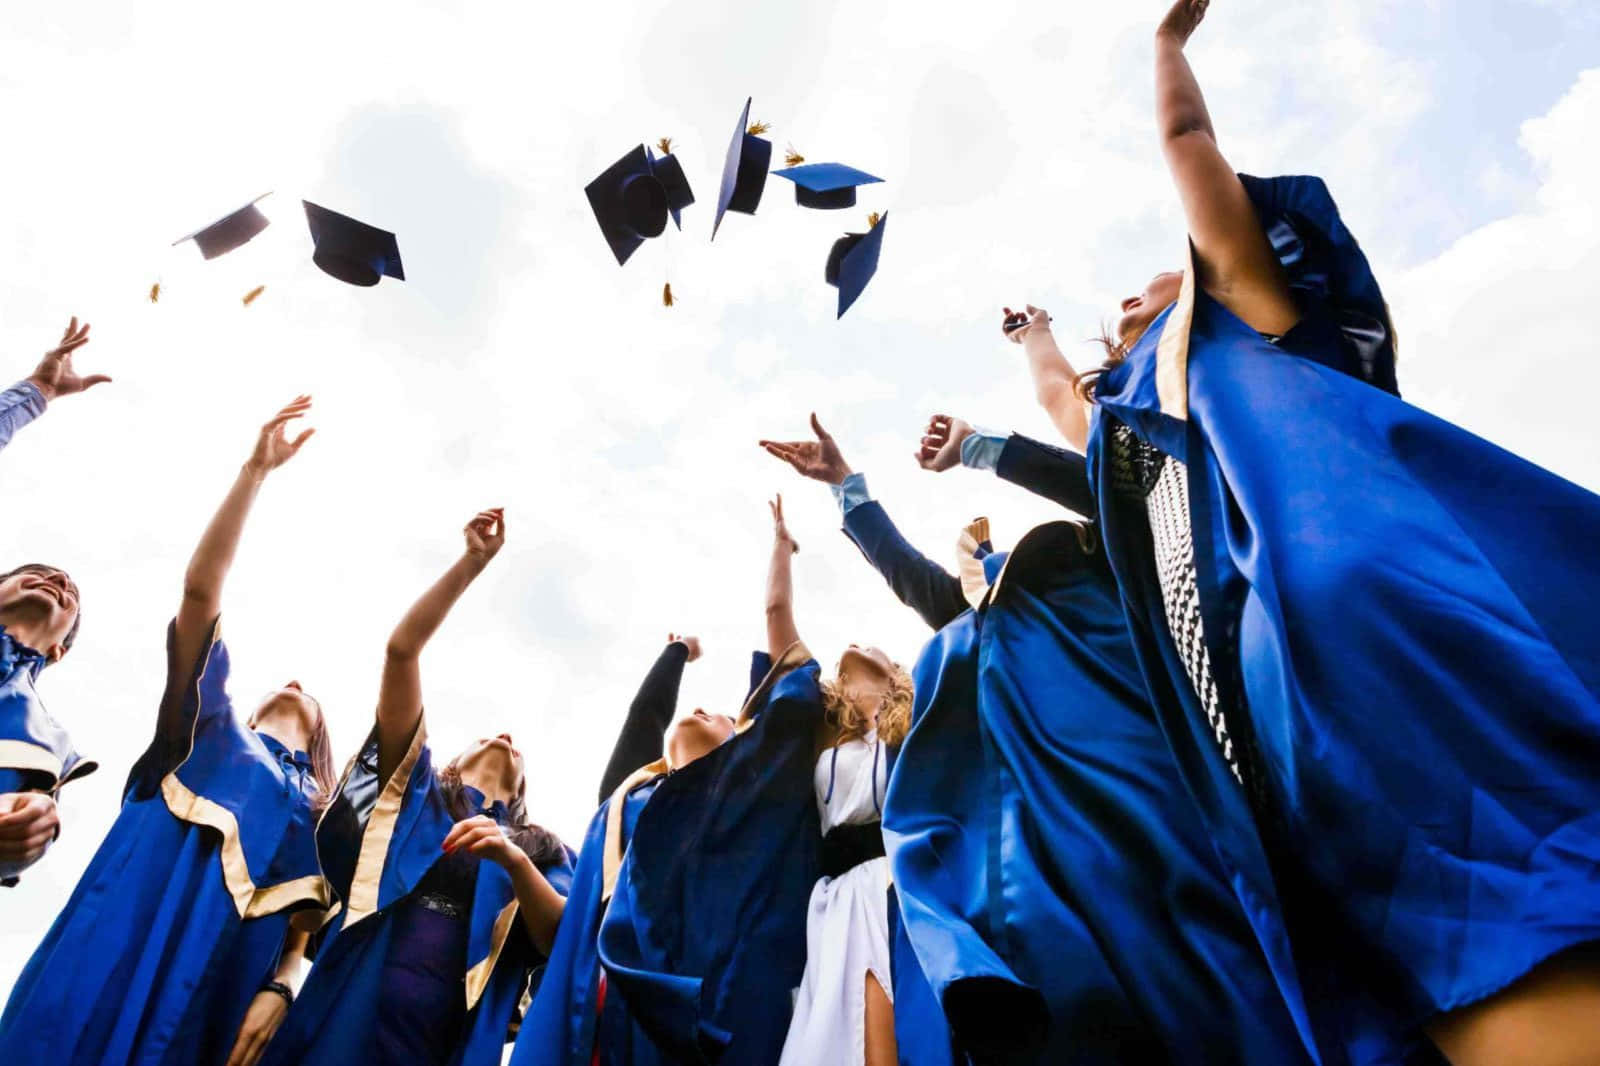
(273,446)
(55,376)
(818,459)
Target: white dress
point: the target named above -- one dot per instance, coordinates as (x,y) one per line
(847,927)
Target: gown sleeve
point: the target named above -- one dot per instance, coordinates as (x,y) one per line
(649,715)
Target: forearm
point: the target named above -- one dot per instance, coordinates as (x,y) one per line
(19,405)
(1180,106)
(1055,385)
(781,631)
(426,615)
(213,557)
(290,966)
(539,904)
(649,715)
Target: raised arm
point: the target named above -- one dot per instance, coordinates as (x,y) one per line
(52,378)
(1234,260)
(1055,382)
(213,557)
(1057,474)
(400,694)
(650,713)
(781,631)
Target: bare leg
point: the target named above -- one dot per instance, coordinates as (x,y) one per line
(881,1050)
(1550,1017)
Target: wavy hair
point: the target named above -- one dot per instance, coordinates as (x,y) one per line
(893,710)
(537,843)
(1115,354)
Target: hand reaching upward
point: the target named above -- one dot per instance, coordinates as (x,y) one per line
(780,531)
(54,376)
(1182,20)
(940,448)
(691,643)
(273,447)
(486,534)
(818,459)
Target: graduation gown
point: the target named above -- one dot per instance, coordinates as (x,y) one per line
(1404,613)
(704,939)
(182,913)
(1055,882)
(377,841)
(36,755)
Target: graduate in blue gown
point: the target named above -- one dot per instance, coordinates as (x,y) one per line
(706,860)
(38,624)
(1368,633)
(447,898)
(1058,887)
(176,945)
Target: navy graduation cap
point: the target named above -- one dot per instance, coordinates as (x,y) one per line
(352,251)
(744,174)
(230,231)
(632,198)
(825,185)
(853,260)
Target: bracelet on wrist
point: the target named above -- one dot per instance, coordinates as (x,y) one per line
(278,988)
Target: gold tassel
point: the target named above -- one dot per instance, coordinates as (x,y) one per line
(666,295)
(155,292)
(792,158)
(873,219)
(758,128)
(250,297)
(665,144)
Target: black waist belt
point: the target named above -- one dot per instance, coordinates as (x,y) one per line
(845,847)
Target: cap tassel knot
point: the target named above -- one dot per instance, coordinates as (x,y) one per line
(155,292)
(250,297)
(666,295)
(758,128)
(665,144)
(792,158)
(873,219)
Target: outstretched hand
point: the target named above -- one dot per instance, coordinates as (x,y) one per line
(692,643)
(486,534)
(1181,21)
(54,375)
(780,531)
(941,443)
(818,459)
(1015,326)
(273,447)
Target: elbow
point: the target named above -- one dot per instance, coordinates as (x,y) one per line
(1055,391)
(777,606)
(400,650)
(1184,129)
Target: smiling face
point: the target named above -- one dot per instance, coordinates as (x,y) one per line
(43,601)
(493,766)
(696,734)
(1137,312)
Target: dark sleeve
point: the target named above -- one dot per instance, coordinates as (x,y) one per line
(920,583)
(649,714)
(176,718)
(1045,470)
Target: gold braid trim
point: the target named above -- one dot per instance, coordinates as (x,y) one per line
(380,829)
(1172,349)
(478,976)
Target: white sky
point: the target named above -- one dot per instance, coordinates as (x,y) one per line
(520,367)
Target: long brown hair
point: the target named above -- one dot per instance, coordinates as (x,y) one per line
(537,843)
(319,749)
(893,710)
(1116,353)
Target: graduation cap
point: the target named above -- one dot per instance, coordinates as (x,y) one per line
(230,231)
(744,174)
(853,260)
(630,202)
(825,185)
(669,172)
(352,251)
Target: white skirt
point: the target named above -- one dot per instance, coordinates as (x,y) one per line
(847,938)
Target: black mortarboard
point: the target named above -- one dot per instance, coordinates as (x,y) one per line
(230,231)
(630,202)
(744,174)
(852,261)
(825,185)
(352,251)
(669,172)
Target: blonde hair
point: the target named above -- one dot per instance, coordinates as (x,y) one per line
(893,710)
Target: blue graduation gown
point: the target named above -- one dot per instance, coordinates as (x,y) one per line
(377,841)
(182,912)
(1404,612)
(1061,894)
(36,755)
(704,940)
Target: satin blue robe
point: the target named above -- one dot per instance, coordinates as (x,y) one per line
(182,913)
(1405,612)
(704,941)
(377,841)
(36,755)
(1061,894)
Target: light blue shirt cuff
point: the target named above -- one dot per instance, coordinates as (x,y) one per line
(851,492)
(982,449)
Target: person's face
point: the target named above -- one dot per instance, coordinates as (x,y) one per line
(288,710)
(696,734)
(1137,312)
(49,598)
(493,761)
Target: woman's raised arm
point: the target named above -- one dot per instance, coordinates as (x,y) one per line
(781,630)
(400,693)
(1235,262)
